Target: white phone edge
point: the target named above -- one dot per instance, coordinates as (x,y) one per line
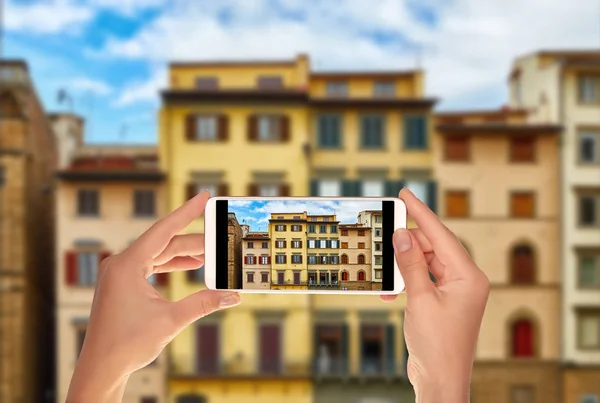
(210,255)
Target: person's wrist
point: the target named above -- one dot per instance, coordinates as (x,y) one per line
(95,382)
(447,391)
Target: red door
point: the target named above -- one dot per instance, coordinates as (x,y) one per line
(270,349)
(207,347)
(361,276)
(522,339)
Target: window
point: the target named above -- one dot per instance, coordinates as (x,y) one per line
(197,188)
(522,338)
(361,275)
(250,259)
(296,228)
(371,131)
(522,265)
(373,188)
(589,270)
(296,278)
(280,243)
(333,229)
(344,259)
(143,203)
(329,131)
(296,244)
(344,245)
(322,244)
(250,277)
(377,232)
(522,149)
(588,329)
(456,148)
(264,277)
(88,202)
(589,146)
(361,259)
(311,229)
(378,219)
(280,228)
(322,277)
(415,132)
(270,346)
(589,88)
(322,229)
(344,232)
(334,277)
(296,217)
(250,245)
(419,188)
(378,260)
(269,128)
(312,244)
(313,218)
(265,245)
(345,275)
(207,348)
(334,243)
(296,258)
(312,259)
(361,232)
(588,209)
(312,277)
(331,188)
(206,128)
(522,205)
(377,246)
(361,245)
(322,260)
(280,259)
(384,89)
(334,259)
(268,190)
(207,83)
(522,394)
(280,277)
(87,268)
(269,82)
(336,89)
(378,274)
(264,260)
(457,204)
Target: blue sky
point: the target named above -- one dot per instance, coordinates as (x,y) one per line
(111,55)
(257,213)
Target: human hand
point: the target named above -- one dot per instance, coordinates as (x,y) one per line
(441,320)
(130,322)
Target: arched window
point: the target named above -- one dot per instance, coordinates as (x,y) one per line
(361,276)
(344,259)
(361,259)
(345,275)
(522,338)
(522,265)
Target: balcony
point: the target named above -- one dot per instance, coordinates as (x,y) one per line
(333,285)
(330,367)
(245,368)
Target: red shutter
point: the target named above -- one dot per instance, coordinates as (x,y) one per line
(223,128)
(162,279)
(284,190)
(285,128)
(191,190)
(245,259)
(252,189)
(270,348)
(71,268)
(223,190)
(300,244)
(207,348)
(268,259)
(252,128)
(190,127)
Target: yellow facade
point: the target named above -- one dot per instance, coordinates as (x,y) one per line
(323,230)
(287,233)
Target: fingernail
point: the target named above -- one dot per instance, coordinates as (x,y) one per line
(229,301)
(402,240)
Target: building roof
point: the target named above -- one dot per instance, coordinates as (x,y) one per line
(252,95)
(499,128)
(237,63)
(484,113)
(14,62)
(354,226)
(373,74)
(125,165)
(367,102)
(256,235)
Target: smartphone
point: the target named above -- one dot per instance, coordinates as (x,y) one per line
(309,245)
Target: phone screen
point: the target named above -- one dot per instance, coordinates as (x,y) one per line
(318,245)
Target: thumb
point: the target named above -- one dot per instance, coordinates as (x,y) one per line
(411,262)
(202,303)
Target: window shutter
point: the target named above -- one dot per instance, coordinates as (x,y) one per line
(268,259)
(285,243)
(223,128)
(350,188)
(252,189)
(245,259)
(222,190)
(191,190)
(252,128)
(392,188)
(71,268)
(364,131)
(162,279)
(314,187)
(284,190)
(284,128)
(300,243)
(422,132)
(190,127)
(389,349)
(322,138)
(432,195)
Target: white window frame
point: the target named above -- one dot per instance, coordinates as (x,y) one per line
(268,190)
(384,89)
(334,244)
(330,188)
(206,128)
(268,128)
(589,88)
(211,187)
(87,267)
(312,244)
(322,243)
(373,188)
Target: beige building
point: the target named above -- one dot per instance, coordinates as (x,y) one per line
(322,243)
(373,219)
(499,185)
(27,160)
(563,87)
(355,257)
(256,255)
(105,199)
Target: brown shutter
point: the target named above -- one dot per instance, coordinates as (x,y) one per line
(190,127)
(71,268)
(252,128)
(284,128)
(191,190)
(300,244)
(252,189)
(268,259)
(284,190)
(223,189)
(223,128)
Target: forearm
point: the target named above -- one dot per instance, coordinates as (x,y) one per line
(96,384)
(457,392)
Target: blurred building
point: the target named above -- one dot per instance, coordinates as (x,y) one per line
(106,196)
(499,191)
(563,87)
(27,159)
(275,128)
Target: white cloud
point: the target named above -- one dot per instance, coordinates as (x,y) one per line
(48,17)
(143,91)
(129,7)
(92,86)
(466,52)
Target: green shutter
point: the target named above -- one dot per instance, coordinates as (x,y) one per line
(335,132)
(364,131)
(390,349)
(392,188)
(380,132)
(349,188)
(432,195)
(422,130)
(345,351)
(314,187)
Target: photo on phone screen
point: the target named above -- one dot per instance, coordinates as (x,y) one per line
(328,245)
